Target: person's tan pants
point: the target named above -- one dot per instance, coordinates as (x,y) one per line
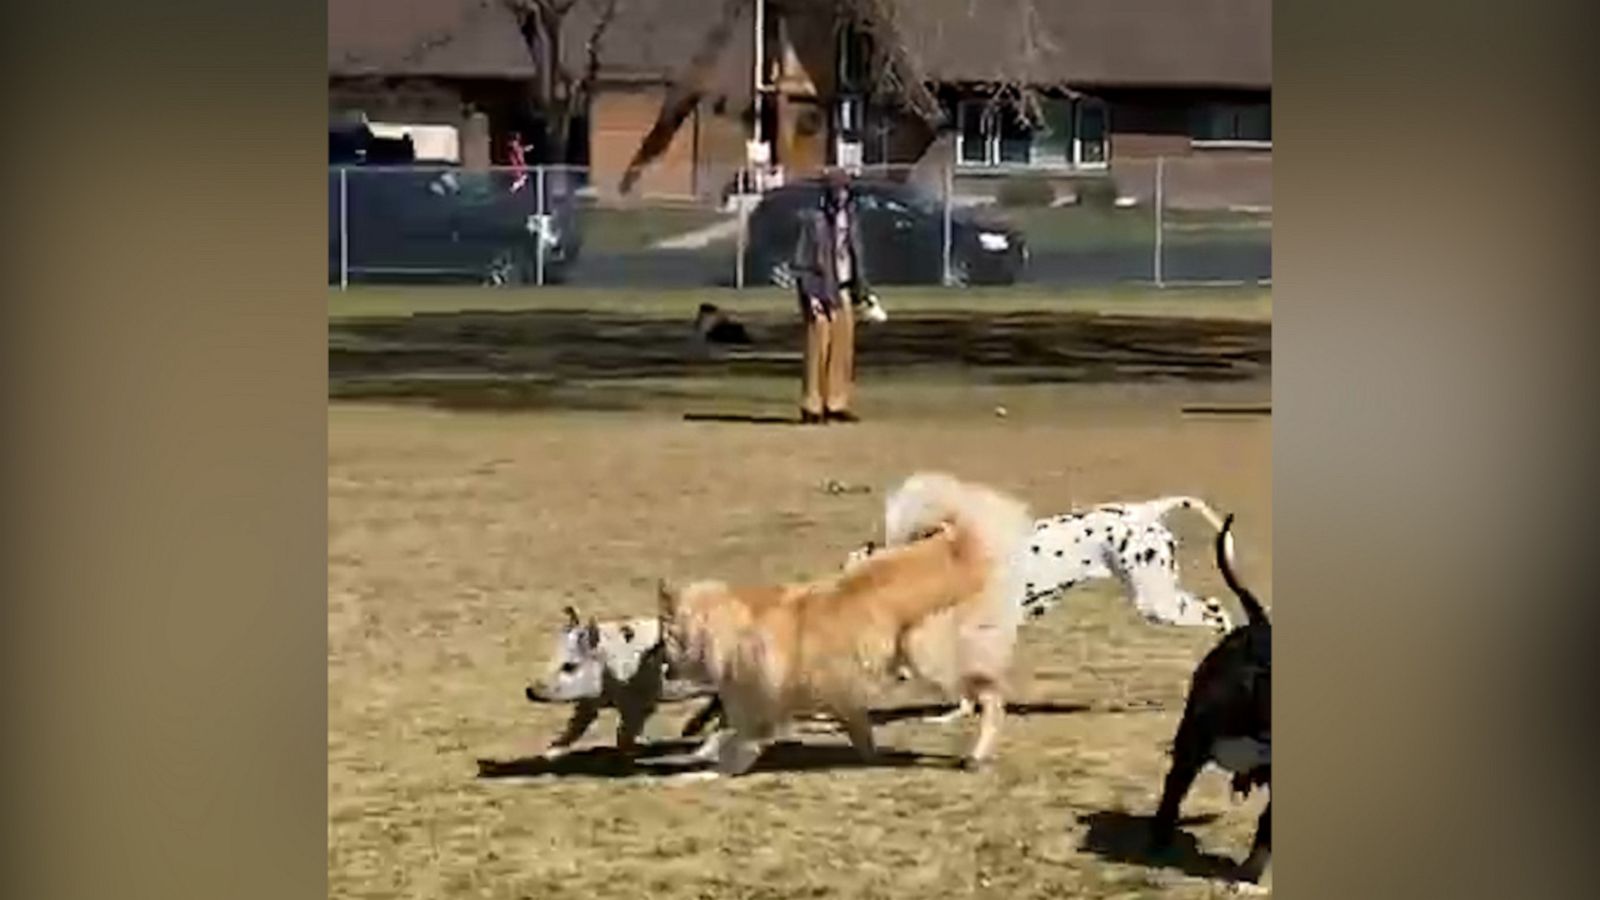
(830,360)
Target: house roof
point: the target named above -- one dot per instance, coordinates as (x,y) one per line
(649,40)
(437,38)
(654,40)
(1211,43)
(1200,43)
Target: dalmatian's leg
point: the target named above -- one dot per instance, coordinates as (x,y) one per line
(1147,572)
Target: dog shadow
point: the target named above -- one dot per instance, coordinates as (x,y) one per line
(743,418)
(672,757)
(1123,837)
(593,762)
(919,711)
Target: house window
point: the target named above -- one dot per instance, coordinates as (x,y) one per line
(848,119)
(1072,134)
(1232,123)
(855,54)
(772,51)
(974,134)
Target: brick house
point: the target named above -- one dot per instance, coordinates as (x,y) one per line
(1123,82)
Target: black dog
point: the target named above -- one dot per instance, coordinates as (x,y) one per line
(717,327)
(1227,719)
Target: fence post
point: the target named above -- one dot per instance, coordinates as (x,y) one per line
(741,184)
(1161,177)
(344,228)
(544,226)
(949,191)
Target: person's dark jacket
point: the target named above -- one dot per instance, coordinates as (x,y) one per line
(815,269)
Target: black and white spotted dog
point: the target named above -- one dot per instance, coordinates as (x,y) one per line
(619,665)
(1128,542)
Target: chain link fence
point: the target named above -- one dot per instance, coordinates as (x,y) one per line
(1165,221)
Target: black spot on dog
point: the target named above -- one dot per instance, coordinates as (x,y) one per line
(1061,553)
(1035,548)
(1122,545)
(627,634)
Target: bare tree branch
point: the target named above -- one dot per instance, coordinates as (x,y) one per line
(684,94)
(898,73)
(560,95)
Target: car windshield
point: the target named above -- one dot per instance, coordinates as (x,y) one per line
(900,198)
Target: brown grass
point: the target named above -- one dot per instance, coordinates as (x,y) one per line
(456,538)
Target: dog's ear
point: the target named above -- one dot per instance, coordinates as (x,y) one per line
(591,634)
(573,621)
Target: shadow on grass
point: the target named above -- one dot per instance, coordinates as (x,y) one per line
(1123,837)
(671,758)
(1045,708)
(541,359)
(742,418)
(928,710)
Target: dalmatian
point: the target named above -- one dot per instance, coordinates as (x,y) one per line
(617,664)
(1127,542)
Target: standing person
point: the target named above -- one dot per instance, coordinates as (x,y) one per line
(830,277)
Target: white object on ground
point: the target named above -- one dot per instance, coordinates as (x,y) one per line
(700,238)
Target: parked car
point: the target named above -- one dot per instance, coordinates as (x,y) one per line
(407,222)
(902,234)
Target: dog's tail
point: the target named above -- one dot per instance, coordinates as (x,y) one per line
(1252,607)
(1166,505)
(999,524)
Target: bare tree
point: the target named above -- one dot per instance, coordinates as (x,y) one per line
(1022,77)
(898,78)
(560,92)
(1021,73)
(685,92)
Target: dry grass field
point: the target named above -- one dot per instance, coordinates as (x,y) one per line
(455,537)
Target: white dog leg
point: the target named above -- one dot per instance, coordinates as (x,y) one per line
(962,710)
(711,747)
(738,754)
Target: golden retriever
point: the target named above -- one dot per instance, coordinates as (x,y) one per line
(938,599)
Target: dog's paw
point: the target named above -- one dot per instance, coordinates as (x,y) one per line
(551,754)
(1248,889)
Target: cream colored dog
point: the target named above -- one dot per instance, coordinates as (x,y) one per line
(938,598)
